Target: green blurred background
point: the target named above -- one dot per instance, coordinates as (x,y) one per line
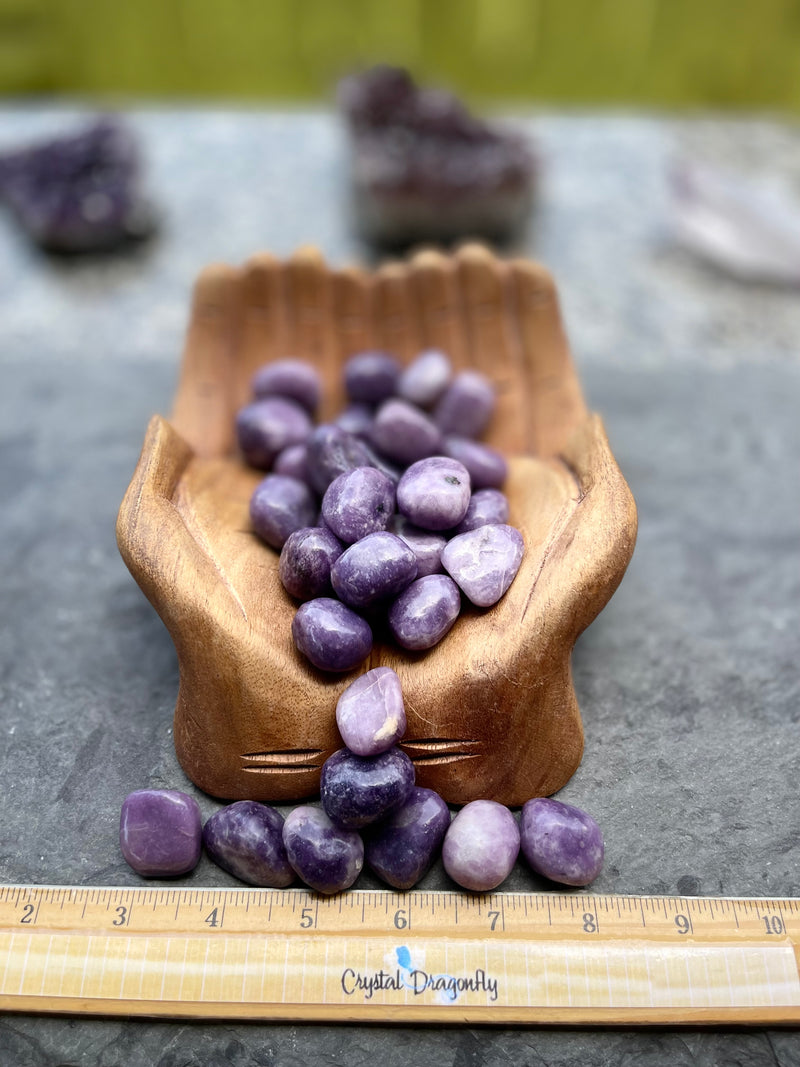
(729,54)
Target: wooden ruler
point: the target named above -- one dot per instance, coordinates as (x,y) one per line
(499,958)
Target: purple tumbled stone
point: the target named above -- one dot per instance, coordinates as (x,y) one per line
(561,842)
(483,562)
(358,790)
(487,467)
(331,452)
(265,427)
(377,567)
(292,378)
(358,502)
(425,612)
(356,419)
(160,832)
(371,377)
(481,845)
(425,544)
(279,506)
(404,433)
(325,856)
(370,713)
(425,379)
(466,406)
(293,461)
(330,635)
(305,563)
(246,839)
(401,848)
(434,493)
(486,507)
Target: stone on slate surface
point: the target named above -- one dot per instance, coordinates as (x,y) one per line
(160,832)
(246,838)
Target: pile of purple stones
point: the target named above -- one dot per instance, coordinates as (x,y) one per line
(387,515)
(371,812)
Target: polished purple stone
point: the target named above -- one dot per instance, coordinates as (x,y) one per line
(331,452)
(292,378)
(487,468)
(326,857)
(404,433)
(356,419)
(425,544)
(305,563)
(377,567)
(561,842)
(265,427)
(370,377)
(246,839)
(294,462)
(434,493)
(358,790)
(424,612)
(481,845)
(486,507)
(483,562)
(402,847)
(358,502)
(370,713)
(330,635)
(160,832)
(425,379)
(466,406)
(279,506)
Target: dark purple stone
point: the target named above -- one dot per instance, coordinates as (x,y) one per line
(294,462)
(265,427)
(425,379)
(326,857)
(465,407)
(160,832)
(371,377)
(358,502)
(331,452)
(306,560)
(484,562)
(486,507)
(358,790)
(403,846)
(246,839)
(481,845)
(404,433)
(434,493)
(487,468)
(356,419)
(425,612)
(561,842)
(330,635)
(374,569)
(279,506)
(425,544)
(370,713)
(292,378)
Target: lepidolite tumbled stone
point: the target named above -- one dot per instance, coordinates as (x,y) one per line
(279,506)
(358,502)
(246,839)
(331,452)
(160,832)
(424,612)
(402,847)
(486,507)
(466,405)
(481,845)
(484,561)
(325,856)
(331,635)
(425,379)
(293,378)
(358,790)
(434,493)
(487,467)
(375,568)
(561,842)
(425,544)
(404,433)
(265,427)
(305,562)
(370,713)
(370,377)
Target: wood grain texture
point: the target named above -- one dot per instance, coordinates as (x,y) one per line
(491,710)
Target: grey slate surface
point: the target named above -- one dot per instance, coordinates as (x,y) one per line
(688,681)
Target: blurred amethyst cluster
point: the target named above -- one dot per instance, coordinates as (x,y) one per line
(424,168)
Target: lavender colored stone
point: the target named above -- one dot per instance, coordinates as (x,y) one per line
(246,839)
(425,544)
(279,506)
(425,379)
(434,493)
(294,462)
(265,427)
(326,857)
(404,433)
(160,832)
(561,842)
(484,562)
(370,377)
(331,452)
(487,468)
(356,419)
(330,635)
(377,567)
(370,713)
(466,405)
(305,563)
(358,790)
(481,845)
(292,378)
(486,507)
(425,612)
(402,848)
(358,502)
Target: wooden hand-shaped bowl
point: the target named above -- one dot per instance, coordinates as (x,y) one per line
(491,709)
